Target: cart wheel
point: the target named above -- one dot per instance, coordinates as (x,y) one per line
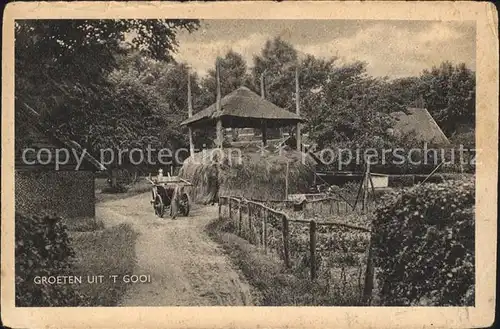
(184,205)
(159,207)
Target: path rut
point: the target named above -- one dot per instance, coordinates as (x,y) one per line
(187,268)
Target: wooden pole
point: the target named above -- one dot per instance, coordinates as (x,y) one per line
(240,218)
(250,225)
(263,126)
(264,132)
(432,172)
(262,226)
(220,209)
(372,188)
(312,248)
(264,233)
(190,114)
(365,185)
(297,106)
(359,192)
(368,288)
(286,179)
(262,85)
(286,238)
(220,136)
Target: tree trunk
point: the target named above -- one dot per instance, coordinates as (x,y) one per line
(113,177)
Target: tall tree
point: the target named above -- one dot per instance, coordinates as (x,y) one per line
(233,74)
(348,110)
(449,94)
(164,84)
(401,93)
(63,68)
(69,71)
(277,61)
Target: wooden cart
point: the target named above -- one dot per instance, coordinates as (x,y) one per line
(170,194)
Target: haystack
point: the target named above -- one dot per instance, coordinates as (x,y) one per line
(247,173)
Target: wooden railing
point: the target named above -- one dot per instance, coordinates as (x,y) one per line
(319,205)
(298,242)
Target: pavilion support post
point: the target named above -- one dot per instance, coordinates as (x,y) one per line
(220,135)
(263,96)
(264,132)
(219,128)
(297,107)
(286,179)
(190,114)
(234,134)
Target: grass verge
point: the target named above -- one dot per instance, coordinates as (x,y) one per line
(273,284)
(106,252)
(83,224)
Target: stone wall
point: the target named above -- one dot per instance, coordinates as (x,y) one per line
(68,194)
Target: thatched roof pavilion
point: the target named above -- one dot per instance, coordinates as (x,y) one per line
(243,108)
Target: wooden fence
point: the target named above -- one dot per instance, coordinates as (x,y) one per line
(300,243)
(318,205)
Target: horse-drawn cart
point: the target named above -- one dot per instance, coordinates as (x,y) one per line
(170,193)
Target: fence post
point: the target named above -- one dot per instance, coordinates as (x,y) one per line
(312,248)
(264,230)
(286,239)
(250,226)
(338,206)
(239,217)
(230,208)
(261,223)
(368,288)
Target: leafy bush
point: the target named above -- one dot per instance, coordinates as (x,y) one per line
(119,188)
(43,249)
(401,180)
(423,243)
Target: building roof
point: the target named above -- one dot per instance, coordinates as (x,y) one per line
(421,123)
(40,138)
(243,108)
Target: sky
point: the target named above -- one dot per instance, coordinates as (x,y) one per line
(390,48)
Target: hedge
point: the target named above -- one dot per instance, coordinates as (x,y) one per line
(423,244)
(43,249)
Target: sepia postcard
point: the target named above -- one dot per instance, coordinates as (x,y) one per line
(249,164)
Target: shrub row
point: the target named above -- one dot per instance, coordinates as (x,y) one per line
(43,249)
(423,243)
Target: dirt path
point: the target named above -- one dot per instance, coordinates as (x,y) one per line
(187,268)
